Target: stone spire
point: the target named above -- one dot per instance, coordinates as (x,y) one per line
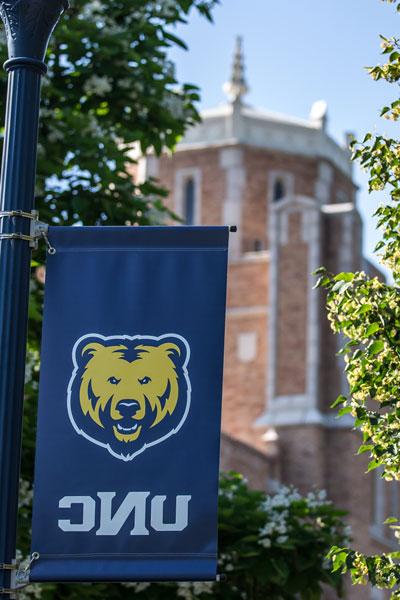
(236,87)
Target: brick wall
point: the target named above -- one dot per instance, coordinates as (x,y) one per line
(291,345)
(243,458)
(305,454)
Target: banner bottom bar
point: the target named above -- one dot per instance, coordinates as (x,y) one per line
(81,570)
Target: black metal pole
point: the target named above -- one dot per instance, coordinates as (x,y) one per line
(28,26)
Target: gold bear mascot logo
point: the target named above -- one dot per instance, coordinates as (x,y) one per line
(129,393)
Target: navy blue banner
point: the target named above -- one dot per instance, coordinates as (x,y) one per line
(126,479)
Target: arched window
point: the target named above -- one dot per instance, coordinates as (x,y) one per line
(279,190)
(189,202)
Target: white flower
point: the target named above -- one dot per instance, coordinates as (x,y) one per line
(282,539)
(139,586)
(185,590)
(266,542)
(25,493)
(126,83)
(203,587)
(282,529)
(267,529)
(92,7)
(316,499)
(54,135)
(98,85)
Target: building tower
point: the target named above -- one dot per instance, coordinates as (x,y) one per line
(288,186)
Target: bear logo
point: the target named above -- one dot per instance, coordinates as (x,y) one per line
(128,393)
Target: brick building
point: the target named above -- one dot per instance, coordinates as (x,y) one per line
(288,187)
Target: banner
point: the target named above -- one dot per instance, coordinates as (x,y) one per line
(126,477)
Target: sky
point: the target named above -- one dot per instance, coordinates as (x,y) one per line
(297,52)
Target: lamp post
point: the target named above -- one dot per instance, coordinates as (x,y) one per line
(28,25)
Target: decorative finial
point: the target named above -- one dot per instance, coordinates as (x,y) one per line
(319,113)
(236,88)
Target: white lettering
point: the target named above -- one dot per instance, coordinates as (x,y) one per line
(88,513)
(133,507)
(133,501)
(181,514)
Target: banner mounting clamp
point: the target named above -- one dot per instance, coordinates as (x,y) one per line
(38,229)
(19,576)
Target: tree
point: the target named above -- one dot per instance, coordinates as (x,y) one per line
(367,312)
(109,85)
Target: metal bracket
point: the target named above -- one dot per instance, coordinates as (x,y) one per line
(38,229)
(19,576)
(7,567)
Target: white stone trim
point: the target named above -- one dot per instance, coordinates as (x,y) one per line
(181,176)
(246,346)
(333,209)
(231,160)
(323,185)
(313,313)
(272,301)
(283,234)
(247,311)
(295,410)
(254,256)
(260,129)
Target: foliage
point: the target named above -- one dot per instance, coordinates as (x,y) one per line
(110,86)
(367,311)
(270,547)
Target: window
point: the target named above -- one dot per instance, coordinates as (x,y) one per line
(279,190)
(189,202)
(187,195)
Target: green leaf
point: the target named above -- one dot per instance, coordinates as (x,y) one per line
(390,520)
(344,411)
(344,277)
(373,328)
(364,309)
(372,465)
(364,448)
(319,271)
(339,400)
(376,347)
(321,282)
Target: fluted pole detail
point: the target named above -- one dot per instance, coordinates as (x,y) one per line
(28,25)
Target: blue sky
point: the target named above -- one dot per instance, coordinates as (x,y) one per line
(298,52)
